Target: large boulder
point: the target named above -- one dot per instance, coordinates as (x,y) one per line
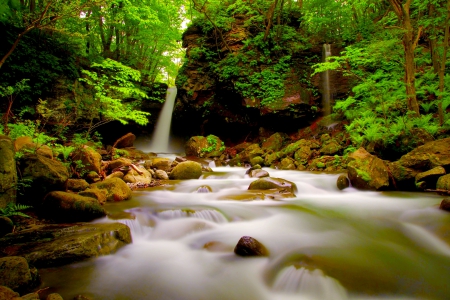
(42,175)
(403,177)
(160,163)
(77,185)
(200,146)
(8,172)
(428,179)
(125,141)
(16,274)
(55,245)
(428,156)
(68,207)
(186,170)
(90,159)
(116,189)
(266,183)
(367,172)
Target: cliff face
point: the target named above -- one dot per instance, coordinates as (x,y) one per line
(233,83)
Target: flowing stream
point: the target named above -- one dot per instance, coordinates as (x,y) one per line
(323,244)
(326,94)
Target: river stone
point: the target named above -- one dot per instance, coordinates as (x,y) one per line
(204,189)
(30,296)
(303,154)
(134,177)
(44,174)
(257,160)
(186,170)
(8,172)
(367,172)
(445,204)
(77,185)
(69,207)
(8,294)
(125,141)
(117,174)
(342,182)
(161,163)
(428,156)
(55,245)
(267,183)
(16,274)
(248,246)
(116,189)
(258,173)
(428,179)
(160,174)
(91,159)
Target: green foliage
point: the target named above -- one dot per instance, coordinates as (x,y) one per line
(13,209)
(212,142)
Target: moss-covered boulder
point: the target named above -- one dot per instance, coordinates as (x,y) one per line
(116,189)
(274,142)
(43,174)
(8,172)
(55,245)
(8,294)
(267,183)
(443,183)
(287,163)
(16,274)
(98,194)
(118,163)
(330,147)
(77,185)
(200,146)
(68,207)
(367,172)
(445,204)
(303,154)
(90,159)
(428,179)
(404,178)
(428,156)
(160,163)
(248,246)
(186,170)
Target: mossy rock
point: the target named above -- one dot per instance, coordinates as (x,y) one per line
(287,163)
(257,160)
(430,177)
(116,189)
(161,163)
(303,154)
(134,177)
(274,142)
(8,172)
(271,158)
(91,159)
(331,148)
(16,274)
(404,177)
(267,183)
(200,146)
(428,156)
(443,183)
(77,185)
(186,170)
(367,171)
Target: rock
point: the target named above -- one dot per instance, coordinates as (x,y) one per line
(77,185)
(161,163)
(116,189)
(67,207)
(258,173)
(55,245)
(342,182)
(117,174)
(44,175)
(204,189)
(367,172)
(267,183)
(120,162)
(303,154)
(21,142)
(98,194)
(330,148)
(428,179)
(92,177)
(7,294)
(16,274)
(248,246)
(428,156)
(443,183)
(274,142)
(125,141)
(160,174)
(133,176)
(90,159)
(6,225)
(257,160)
(445,205)
(200,146)
(404,177)
(186,170)
(8,172)
(54,296)
(30,296)
(287,163)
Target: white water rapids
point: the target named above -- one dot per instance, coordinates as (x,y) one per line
(323,244)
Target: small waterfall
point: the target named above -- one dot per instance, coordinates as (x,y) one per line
(326,95)
(161,135)
(205,214)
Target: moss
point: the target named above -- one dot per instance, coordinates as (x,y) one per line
(364,175)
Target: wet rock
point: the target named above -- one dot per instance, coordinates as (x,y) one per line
(98,194)
(428,156)
(187,170)
(204,189)
(342,182)
(8,294)
(160,174)
(200,146)
(133,176)
(258,173)
(6,225)
(367,171)
(44,174)
(116,189)
(161,163)
(274,142)
(77,185)
(56,245)
(8,172)
(287,163)
(267,183)
(445,204)
(443,183)
(16,274)
(68,207)
(90,159)
(428,179)
(248,246)
(125,141)
(118,163)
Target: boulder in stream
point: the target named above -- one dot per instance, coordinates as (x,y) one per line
(186,170)
(367,171)
(248,246)
(16,274)
(55,245)
(267,183)
(116,189)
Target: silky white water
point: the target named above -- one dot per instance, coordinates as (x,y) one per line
(323,244)
(326,92)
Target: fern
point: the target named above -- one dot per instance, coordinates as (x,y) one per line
(13,209)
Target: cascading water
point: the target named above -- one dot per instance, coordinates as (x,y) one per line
(326,94)
(324,244)
(161,137)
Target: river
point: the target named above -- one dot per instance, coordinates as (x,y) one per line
(323,244)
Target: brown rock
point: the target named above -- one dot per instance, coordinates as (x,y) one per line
(367,172)
(116,189)
(342,182)
(248,246)
(445,205)
(77,185)
(7,294)
(125,141)
(267,183)
(16,274)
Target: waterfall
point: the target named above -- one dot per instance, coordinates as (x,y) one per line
(161,135)
(326,97)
